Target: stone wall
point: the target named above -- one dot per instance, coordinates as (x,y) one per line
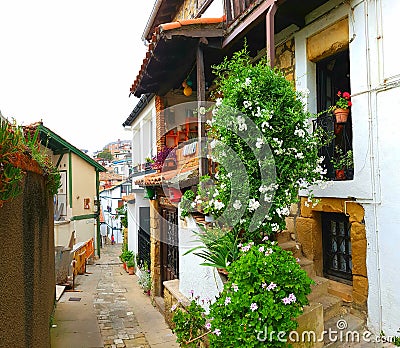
(285,59)
(309,234)
(155,230)
(160,124)
(27,274)
(188,10)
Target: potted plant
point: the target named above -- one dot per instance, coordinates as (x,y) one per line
(343,164)
(131,263)
(341,108)
(148,163)
(166,157)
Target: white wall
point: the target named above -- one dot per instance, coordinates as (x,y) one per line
(134,219)
(375,88)
(203,280)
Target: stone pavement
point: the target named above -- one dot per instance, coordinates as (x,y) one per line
(112,311)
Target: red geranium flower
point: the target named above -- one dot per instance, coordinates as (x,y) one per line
(346,95)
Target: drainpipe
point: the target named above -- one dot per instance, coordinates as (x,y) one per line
(270,35)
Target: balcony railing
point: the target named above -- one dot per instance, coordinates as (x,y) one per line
(234,8)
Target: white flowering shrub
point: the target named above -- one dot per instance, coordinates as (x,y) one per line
(262,120)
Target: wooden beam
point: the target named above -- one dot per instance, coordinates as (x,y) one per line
(201,97)
(270,44)
(253,16)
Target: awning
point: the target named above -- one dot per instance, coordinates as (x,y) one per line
(172,51)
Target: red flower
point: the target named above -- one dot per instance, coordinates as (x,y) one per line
(346,95)
(339,94)
(349,103)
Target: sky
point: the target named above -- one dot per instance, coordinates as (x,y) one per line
(71,65)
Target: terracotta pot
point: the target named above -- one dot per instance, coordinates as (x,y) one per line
(341,115)
(338,128)
(340,175)
(124,265)
(131,270)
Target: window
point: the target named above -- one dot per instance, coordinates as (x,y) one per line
(60,199)
(337,247)
(333,75)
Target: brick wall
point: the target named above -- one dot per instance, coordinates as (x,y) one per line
(160,123)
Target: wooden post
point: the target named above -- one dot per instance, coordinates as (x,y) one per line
(270,24)
(201,97)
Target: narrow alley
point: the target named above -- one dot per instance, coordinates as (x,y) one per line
(108,309)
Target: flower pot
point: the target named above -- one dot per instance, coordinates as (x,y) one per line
(131,270)
(124,265)
(338,128)
(209,218)
(339,174)
(341,115)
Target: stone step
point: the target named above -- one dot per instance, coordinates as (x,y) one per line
(283,237)
(319,288)
(333,306)
(344,291)
(308,266)
(292,246)
(345,328)
(160,304)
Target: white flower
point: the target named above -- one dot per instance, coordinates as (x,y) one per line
(300,132)
(193,204)
(253,204)
(218,101)
(299,155)
(247,82)
(237,205)
(247,104)
(210,122)
(268,198)
(259,143)
(275,227)
(218,205)
(242,127)
(213,143)
(229,175)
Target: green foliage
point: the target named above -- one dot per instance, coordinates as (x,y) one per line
(342,160)
(122,213)
(189,323)
(14,143)
(126,255)
(144,279)
(219,247)
(106,155)
(261,95)
(131,262)
(252,304)
(186,201)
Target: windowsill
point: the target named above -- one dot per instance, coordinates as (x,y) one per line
(64,222)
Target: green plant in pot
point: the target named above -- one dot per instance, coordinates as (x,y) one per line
(131,264)
(343,164)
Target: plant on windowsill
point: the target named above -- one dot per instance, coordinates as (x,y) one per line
(165,159)
(343,164)
(341,108)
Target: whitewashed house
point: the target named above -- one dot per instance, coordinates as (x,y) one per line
(142,124)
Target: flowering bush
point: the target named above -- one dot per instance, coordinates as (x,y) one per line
(190,323)
(144,279)
(343,101)
(265,292)
(159,159)
(258,95)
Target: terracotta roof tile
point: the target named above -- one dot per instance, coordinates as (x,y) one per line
(157,35)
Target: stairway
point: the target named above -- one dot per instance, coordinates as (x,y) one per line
(335,298)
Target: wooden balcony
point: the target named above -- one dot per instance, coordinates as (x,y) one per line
(234,8)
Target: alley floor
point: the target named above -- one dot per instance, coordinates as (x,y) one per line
(108,309)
